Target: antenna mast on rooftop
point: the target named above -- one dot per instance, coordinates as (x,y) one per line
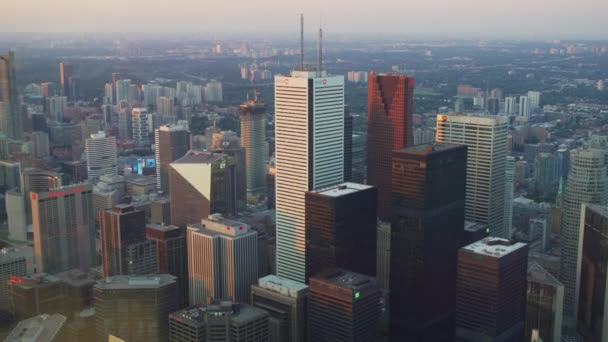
(320,61)
(302,41)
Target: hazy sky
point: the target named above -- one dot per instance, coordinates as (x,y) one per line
(512,18)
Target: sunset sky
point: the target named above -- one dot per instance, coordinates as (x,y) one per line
(512,18)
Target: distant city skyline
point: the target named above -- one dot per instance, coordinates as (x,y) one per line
(516,19)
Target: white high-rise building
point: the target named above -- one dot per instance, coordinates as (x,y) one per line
(587,183)
(509,188)
(56,107)
(108,94)
(222,260)
(213,91)
(122,90)
(309,128)
(139,117)
(486,139)
(524,106)
(511,104)
(534,101)
(101,155)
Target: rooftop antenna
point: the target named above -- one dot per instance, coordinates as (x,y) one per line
(302,41)
(320,61)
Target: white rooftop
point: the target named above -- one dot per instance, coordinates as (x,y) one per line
(494,247)
(282,285)
(341,189)
(43,328)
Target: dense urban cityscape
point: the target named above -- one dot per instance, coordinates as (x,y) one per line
(307,187)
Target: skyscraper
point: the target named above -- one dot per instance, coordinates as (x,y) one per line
(545,301)
(134,308)
(172,257)
(348,145)
(587,183)
(286,301)
(10,115)
(343,306)
(122,90)
(120,227)
(222,260)
(14,262)
(309,129)
(524,106)
(486,139)
(66,72)
(221,320)
(139,117)
(253,139)
(55,107)
(201,183)
(101,155)
(64,235)
(591,289)
(390,102)
(171,143)
(511,104)
(426,233)
(509,188)
(341,229)
(213,92)
(534,100)
(491,291)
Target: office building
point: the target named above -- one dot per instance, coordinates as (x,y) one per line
(42,328)
(222,260)
(587,183)
(171,143)
(66,72)
(486,141)
(359,157)
(14,262)
(125,123)
(171,255)
(165,106)
(213,92)
(37,180)
(534,101)
(55,107)
(309,121)
(524,106)
(47,89)
(545,300)
(15,202)
(426,233)
(493,106)
(253,139)
(509,189)
(10,115)
(285,301)
(511,105)
(40,144)
(220,320)
(135,308)
(341,229)
(228,143)
(201,183)
(64,235)
(343,306)
(122,90)
(348,145)
(108,94)
(139,118)
(545,174)
(101,155)
(591,290)
(390,102)
(10,175)
(491,291)
(119,227)
(141,257)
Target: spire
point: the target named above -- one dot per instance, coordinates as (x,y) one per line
(320,57)
(301,41)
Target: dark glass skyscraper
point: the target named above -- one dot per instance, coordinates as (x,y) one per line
(427,228)
(390,106)
(66,72)
(172,142)
(341,229)
(10,114)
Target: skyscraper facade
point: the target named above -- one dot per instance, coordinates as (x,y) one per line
(486,141)
(101,155)
(390,108)
(171,144)
(66,72)
(545,301)
(222,260)
(341,229)
(55,107)
(343,306)
(587,183)
(426,233)
(253,139)
(139,117)
(10,115)
(491,291)
(509,189)
(511,104)
(64,234)
(534,100)
(201,183)
(309,129)
(591,289)
(14,262)
(120,227)
(286,302)
(524,106)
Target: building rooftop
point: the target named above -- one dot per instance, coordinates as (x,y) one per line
(494,247)
(172,128)
(600,209)
(15,252)
(199,157)
(341,189)
(537,274)
(344,279)
(479,119)
(135,282)
(216,224)
(424,149)
(75,278)
(239,313)
(142,180)
(472,226)
(43,328)
(283,286)
(162,227)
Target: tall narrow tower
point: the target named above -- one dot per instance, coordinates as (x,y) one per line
(253,139)
(390,106)
(10,115)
